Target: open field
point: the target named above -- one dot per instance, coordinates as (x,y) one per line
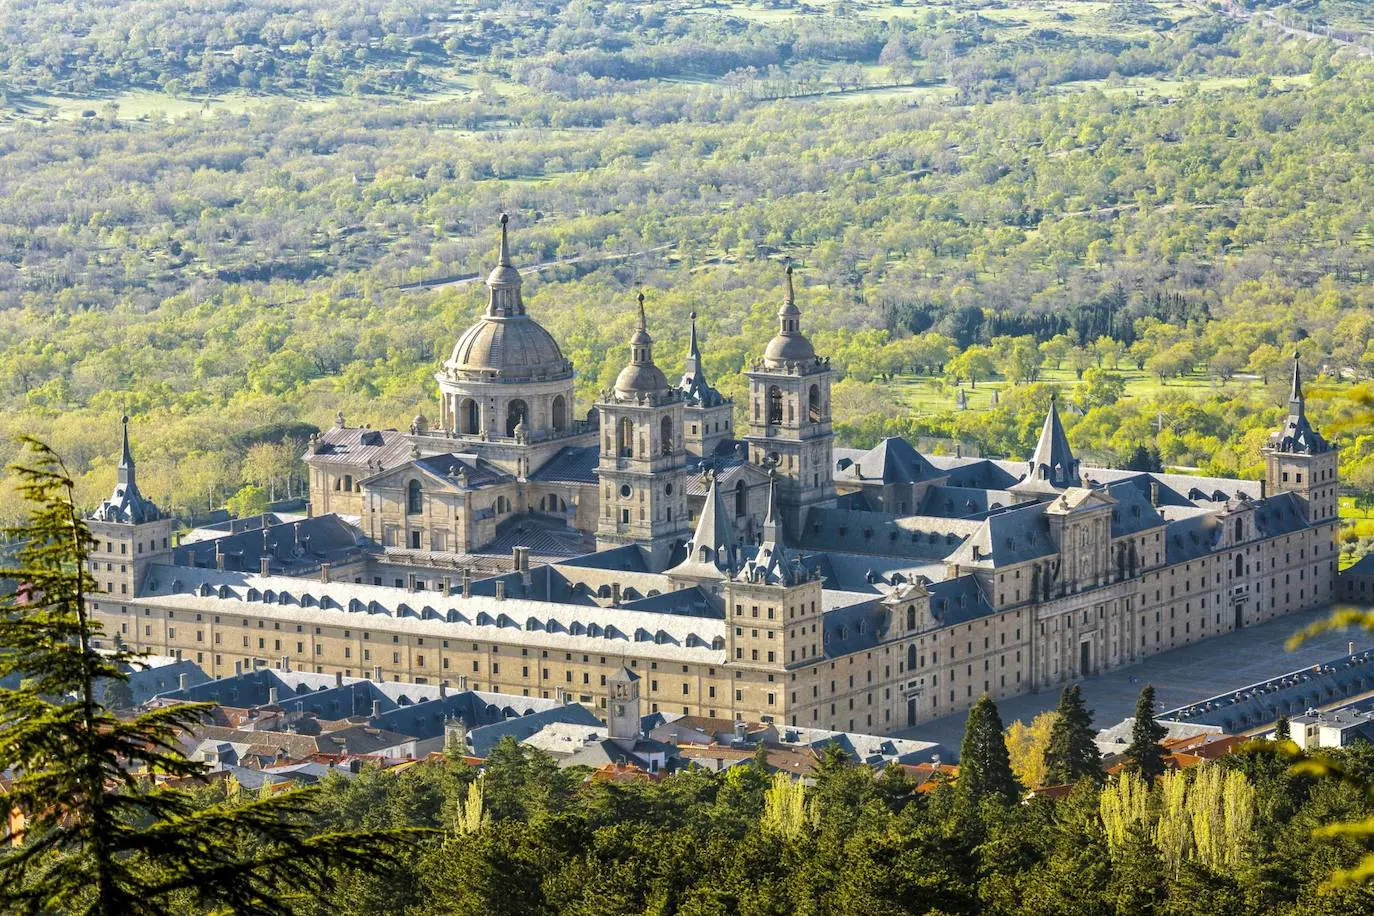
(926,394)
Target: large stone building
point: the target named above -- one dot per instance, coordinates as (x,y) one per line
(514,548)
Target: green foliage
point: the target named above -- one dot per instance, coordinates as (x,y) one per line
(1145,755)
(984,765)
(248,501)
(98,836)
(1072,753)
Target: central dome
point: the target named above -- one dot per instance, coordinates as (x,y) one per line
(515,348)
(506,344)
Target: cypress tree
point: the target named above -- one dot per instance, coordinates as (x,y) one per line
(1144,755)
(1072,753)
(98,837)
(984,764)
(1282,730)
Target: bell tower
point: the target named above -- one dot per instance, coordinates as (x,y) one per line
(789,417)
(642,470)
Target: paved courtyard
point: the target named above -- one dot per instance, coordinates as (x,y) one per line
(1218,665)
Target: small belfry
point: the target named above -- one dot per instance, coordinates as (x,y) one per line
(789,416)
(1052,466)
(1299,460)
(642,466)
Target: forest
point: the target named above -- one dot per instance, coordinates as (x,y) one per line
(235,222)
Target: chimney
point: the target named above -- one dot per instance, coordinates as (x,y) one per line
(615,594)
(377,673)
(741,732)
(286,663)
(338,678)
(467,584)
(1154,493)
(515,558)
(324,573)
(309,510)
(410,582)
(462,682)
(443,689)
(219,558)
(977,552)
(176,653)
(376,708)
(238,668)
(264,564)
(1263,486)
(448,585)
(183,681)
(524,559)
(560,695)
(500,589)
(271,696)
(958,450)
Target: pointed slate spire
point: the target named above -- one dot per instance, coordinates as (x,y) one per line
(126,504)
(503,283)
(774,564)
(126,458)
(1295,399)
(694,383)
(1298,434)
(1053,463)
(712,552)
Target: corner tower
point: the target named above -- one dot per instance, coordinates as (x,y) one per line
(789,416)
(642,470)
(130,532)
(1298,460)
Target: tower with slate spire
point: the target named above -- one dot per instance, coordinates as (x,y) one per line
(706,413)
(130,532)
(789,416)
(642,468)
(1299,460)
(1052,467)
(714,553)
(773,614)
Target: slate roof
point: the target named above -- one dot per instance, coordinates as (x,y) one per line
(484,738)
(126,504)
(570,464)
(958,600)
(854,628)
(299,544)
(1052,465)
(475,472)
(1298,435)
(714,551)
(544,538)
(981,473)
(964,502)
(359,447)
(892,460)
(912,537)
(1006,538)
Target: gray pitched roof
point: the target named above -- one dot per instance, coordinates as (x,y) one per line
(570,464)
(714,551)
(1006,538)
(1053,465)
(300,544)
(126,504)
(892,460)
(359,447)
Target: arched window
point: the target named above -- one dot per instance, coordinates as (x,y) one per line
(1240,565)
(741,499)
(813,404)
(774,404)
(625,438)
(469,417)
(665,435)
(516,411)
(560,413)
(414,501)
(911,616)
(1240,530)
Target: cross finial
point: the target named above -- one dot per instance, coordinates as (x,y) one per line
(643,325)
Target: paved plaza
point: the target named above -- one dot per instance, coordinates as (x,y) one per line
(1214,666)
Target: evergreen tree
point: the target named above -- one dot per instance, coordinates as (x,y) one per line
(1282,730)
(1144,754)
(984,765)
(1072,753)
(97,837)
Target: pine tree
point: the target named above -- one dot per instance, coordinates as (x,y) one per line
(1144,754)
(1072,753)
(1282,730)
(984,766)
(98,837)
